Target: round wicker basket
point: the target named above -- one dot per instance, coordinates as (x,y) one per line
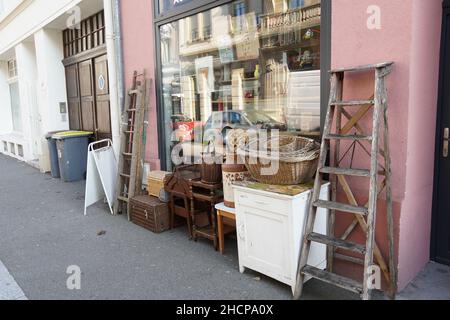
(281,167)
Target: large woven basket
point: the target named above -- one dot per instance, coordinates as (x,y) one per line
(278,167)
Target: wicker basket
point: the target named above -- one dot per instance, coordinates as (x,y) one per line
(285,144)
(282,168)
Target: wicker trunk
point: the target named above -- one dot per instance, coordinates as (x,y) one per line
(150,213)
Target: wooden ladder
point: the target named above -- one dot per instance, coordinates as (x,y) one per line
(132,130)
(364,216)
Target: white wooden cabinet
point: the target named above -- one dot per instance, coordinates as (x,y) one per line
(270,229)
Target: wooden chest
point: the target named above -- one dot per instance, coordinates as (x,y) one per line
(155,180)
(150,213)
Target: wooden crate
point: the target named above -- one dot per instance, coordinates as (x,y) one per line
(150,213)
(155,181)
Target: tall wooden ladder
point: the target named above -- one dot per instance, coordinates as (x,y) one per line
(128,181)
(353,134)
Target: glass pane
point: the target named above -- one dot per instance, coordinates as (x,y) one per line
(247,64)
(166,5)
(15,107)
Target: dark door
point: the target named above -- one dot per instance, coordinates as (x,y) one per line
(103,114)
(440,248)
(87,96)
(73,97)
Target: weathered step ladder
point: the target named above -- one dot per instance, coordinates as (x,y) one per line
(365,216)
(132,130)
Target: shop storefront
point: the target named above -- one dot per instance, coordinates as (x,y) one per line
(238,64)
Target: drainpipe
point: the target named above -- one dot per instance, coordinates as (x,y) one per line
(119,53)
(114,48)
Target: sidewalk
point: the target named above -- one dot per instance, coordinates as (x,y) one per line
(9,289)
(43,232)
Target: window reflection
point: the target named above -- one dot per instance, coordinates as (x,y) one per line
(249,64)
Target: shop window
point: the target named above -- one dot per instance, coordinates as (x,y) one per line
(5,146)
(247,64)
(15,106)
(12,148)
(20,150)
(12,69)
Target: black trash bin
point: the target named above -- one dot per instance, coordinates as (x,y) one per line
(53,152)
(72,151)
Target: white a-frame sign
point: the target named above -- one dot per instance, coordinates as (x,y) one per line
(101,175)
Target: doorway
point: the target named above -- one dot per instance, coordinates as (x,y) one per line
(440,239)
(88,97)
(87,77)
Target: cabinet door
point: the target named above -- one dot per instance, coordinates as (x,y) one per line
(264,242)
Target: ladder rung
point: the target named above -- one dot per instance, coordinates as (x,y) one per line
(131,92)
(123,199)
(338,243)
(332,278)
(346,258)
(128,132)
(353,103)
(341,207)
(363,68)
(131,110)
(126,154)
(348,137)
(346,172)
(123,175)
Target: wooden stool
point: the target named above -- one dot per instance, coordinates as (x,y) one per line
(223,228)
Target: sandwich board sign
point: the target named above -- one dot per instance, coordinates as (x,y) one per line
(101,175)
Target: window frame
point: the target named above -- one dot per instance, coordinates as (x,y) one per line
(199,6)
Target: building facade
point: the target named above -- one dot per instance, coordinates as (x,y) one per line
(58,71)
(225,64)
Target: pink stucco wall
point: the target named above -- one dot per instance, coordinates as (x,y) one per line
(409,36)
(139,54)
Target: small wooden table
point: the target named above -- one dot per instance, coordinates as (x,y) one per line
(209,194)
(222,228)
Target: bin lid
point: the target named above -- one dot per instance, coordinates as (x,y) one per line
(71,134)
(51,134)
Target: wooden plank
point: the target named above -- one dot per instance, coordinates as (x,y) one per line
(362,68)
(141,132)
(348,137)
(353,103)
(136,138)
(335,242)
(373,193)
(340,207)
(311,218)
(356,118)
(389,202)
(377,252)
(346,172)
(334,279)
(334,181)
(119,185)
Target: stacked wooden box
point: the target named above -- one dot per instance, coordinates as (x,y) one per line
(150,213)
